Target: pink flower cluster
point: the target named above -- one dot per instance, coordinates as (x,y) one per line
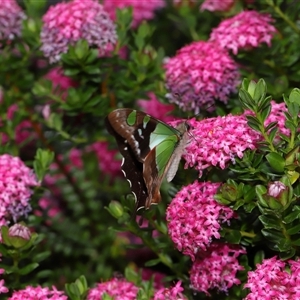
(247,30)
(66,23)
(277,114)
(199,74)
(3,288)
(194,217)
(171,293)
(218,140)
(119,289)
(23,131)
(217,5)
(11,17)
(274,279)
(217,268)
(38,292)
(60,82)
(157,109)
(16,181)
(108,161)
(142,9)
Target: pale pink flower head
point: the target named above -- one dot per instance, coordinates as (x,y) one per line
(16,183)
(157,109)
(142,9)
(274,279)
(217,141)
(38,292)
(11,17)
(171,293)
(217,5)
(19,230)
(247,30)
(194,217)
(118,289)
(66,23)
(199,74)
(275,188)
(216,268)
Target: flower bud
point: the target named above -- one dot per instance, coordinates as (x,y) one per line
(279,191)
(116,209)
(19,235)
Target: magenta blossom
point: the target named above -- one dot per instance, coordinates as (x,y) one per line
(274,279)
(60,82)
(194,217)
(157,109)
(107,158)
(217,5)
(217,268)
(66,23)
(247,30)
(199,74)
(32,293)
(118,289)
(11,17)
(171,293)
(16,183)
(218,140)
(3,288)
(142,9)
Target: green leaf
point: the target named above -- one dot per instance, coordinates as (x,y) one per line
(152,262)
(270,222)
(266,112)
(295,214)
(276,161)
(294,230)
(295,96)
(29,268)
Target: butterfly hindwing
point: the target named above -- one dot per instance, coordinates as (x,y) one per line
(131,168)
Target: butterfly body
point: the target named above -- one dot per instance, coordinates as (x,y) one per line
(151,151)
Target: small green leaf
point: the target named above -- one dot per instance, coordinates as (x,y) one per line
(276,161)
(29,268)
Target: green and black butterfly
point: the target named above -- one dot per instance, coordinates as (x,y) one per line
(151,151)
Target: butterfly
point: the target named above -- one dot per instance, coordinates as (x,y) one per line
(151,151)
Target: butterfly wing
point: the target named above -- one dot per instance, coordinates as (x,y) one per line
(151,145)
(131,168)
(161,162)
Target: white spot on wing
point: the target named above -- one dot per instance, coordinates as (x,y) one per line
(123,160)
(130,184)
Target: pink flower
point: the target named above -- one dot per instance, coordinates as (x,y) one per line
(194,217)
(3,288)
(32,293)
(19,230)
(218,140)
(247,30)
(148,274)
(274,279)
(142,9)
(171,293)
(49,205)
(16,181)
(23,131)
(108,161)
(278,115)
(156,109)
(119,289)
(66,23)
(199,74)
(275,188)
(216,268)
(60,82)
(217,5)
(11,17)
